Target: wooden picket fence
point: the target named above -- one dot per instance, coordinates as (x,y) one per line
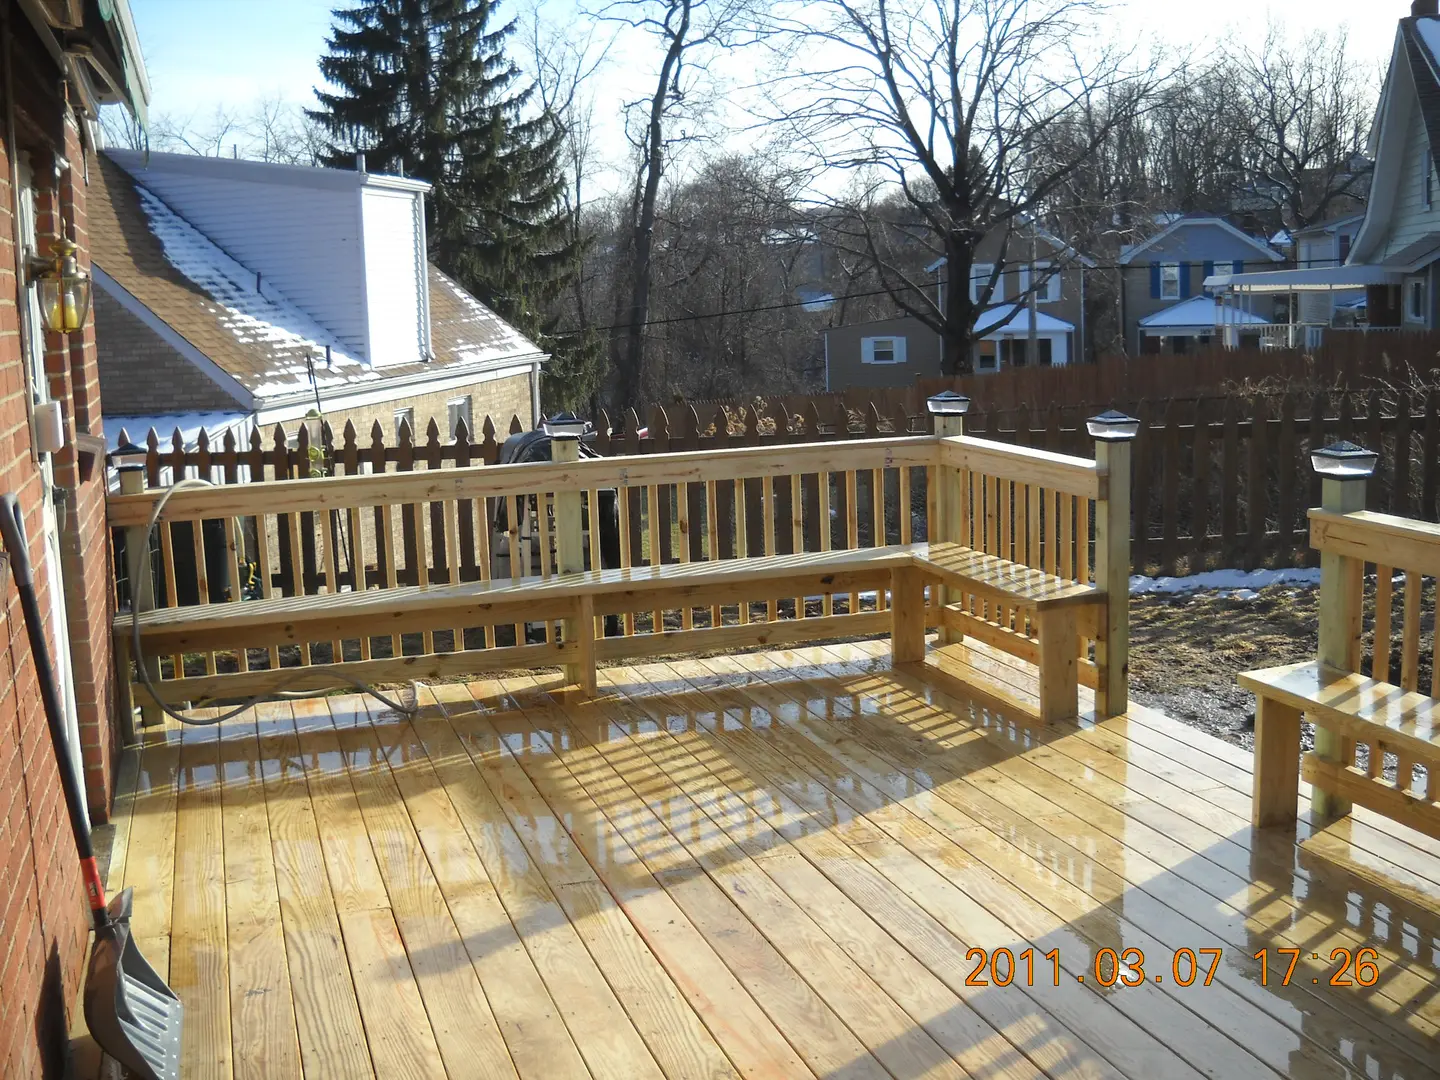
(1219,481)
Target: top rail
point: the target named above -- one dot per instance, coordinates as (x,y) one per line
(1383,539)
(491,481)
(1026,465)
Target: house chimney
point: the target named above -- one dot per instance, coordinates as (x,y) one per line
(1424,7)
(360,157)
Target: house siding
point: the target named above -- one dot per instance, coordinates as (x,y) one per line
(1410,220)
(304,240)
(1195,244)
(842,344)
(395,277)
(42,913)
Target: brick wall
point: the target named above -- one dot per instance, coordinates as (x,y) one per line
(171,384)
(499,399)
(43,924)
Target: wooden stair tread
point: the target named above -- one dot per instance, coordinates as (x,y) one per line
(1352,702)
(1024,586)
(507,591)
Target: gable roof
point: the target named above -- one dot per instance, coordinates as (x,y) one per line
(1331,226)
(1199,312)
(256,340)
(1191,220)
(1411,81)
(1061,248)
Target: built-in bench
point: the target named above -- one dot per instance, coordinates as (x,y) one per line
(1351,709)
(394,577)
(577,599)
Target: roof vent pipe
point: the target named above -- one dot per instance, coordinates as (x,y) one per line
(360,157)
(1424,7)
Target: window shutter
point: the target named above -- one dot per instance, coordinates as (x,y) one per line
(1209,271)
(899,350)
(1184,281)
(1238,266)
(1154,281)
(867,350)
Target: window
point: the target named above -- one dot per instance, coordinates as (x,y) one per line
(882,350)
(987,360)
(460,410)
(980,277)
(1048,290)
(1345,239)
(404,418)
(1169,281)
(1415,300)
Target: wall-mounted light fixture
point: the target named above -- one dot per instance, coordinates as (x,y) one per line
(64,289)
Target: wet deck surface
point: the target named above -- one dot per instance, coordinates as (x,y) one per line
(780,865)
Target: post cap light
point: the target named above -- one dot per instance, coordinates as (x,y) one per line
(64,289)
(947,403)
(1344,461)
(1113,426)
(564,425)
(128,456)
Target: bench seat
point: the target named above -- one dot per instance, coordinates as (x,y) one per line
(577,598)
(1358,708)
(1054,604)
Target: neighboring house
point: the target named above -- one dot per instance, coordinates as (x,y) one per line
(236,293)
(1324,246)
(1394,255)
(896,352)
(1169,269)
(62,61)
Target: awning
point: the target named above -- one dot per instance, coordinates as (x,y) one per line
(1020,324)
(1324,279)
(1199,314)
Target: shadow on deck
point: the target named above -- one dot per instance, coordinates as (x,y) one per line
(783,864)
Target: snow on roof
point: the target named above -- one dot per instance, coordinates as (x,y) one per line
(188,424)
(1429,30)
(1020,324)
(1200,311)
(256,314)
(470,330)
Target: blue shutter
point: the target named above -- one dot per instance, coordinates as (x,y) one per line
(1154,281)
(1184,281)
(1209,272)
(1238,266)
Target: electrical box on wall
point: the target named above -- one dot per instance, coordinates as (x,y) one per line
(49,427)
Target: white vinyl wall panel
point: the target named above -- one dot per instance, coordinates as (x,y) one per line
(395,276)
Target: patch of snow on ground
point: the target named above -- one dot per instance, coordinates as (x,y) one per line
(1241,583)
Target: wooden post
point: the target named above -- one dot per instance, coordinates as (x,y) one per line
(946,526)
(1277,763)
(1340,612)
(142,598)
(1112,576)
(570,559)
(907,615)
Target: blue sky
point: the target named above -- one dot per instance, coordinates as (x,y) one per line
(201,54)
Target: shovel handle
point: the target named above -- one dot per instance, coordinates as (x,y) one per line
(12,529)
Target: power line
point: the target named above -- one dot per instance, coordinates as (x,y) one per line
(789,304)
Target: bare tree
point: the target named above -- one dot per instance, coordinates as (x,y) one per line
(949,102)
(1306,111)
(688,34)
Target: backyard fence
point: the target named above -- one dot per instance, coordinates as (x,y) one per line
(1219,481)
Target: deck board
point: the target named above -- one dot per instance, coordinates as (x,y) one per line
(770,865)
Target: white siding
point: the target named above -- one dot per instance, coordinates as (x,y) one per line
(304,240)
(395,276)
(1410,220)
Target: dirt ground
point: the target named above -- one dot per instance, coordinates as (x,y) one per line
(1186,650)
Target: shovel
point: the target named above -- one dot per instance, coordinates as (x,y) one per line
(132,1015)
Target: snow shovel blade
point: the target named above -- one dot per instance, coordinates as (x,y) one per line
(132,1015)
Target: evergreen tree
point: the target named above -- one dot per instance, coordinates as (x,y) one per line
(425,90)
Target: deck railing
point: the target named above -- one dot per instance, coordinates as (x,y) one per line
(228,544)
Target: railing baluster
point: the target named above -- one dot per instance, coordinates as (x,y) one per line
(682,514)
(712,536)
(797,530)
(852,526)
(622,500)
(657,558)
(1380,652)
(1410,635)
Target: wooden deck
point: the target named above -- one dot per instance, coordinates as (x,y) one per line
(773,865)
